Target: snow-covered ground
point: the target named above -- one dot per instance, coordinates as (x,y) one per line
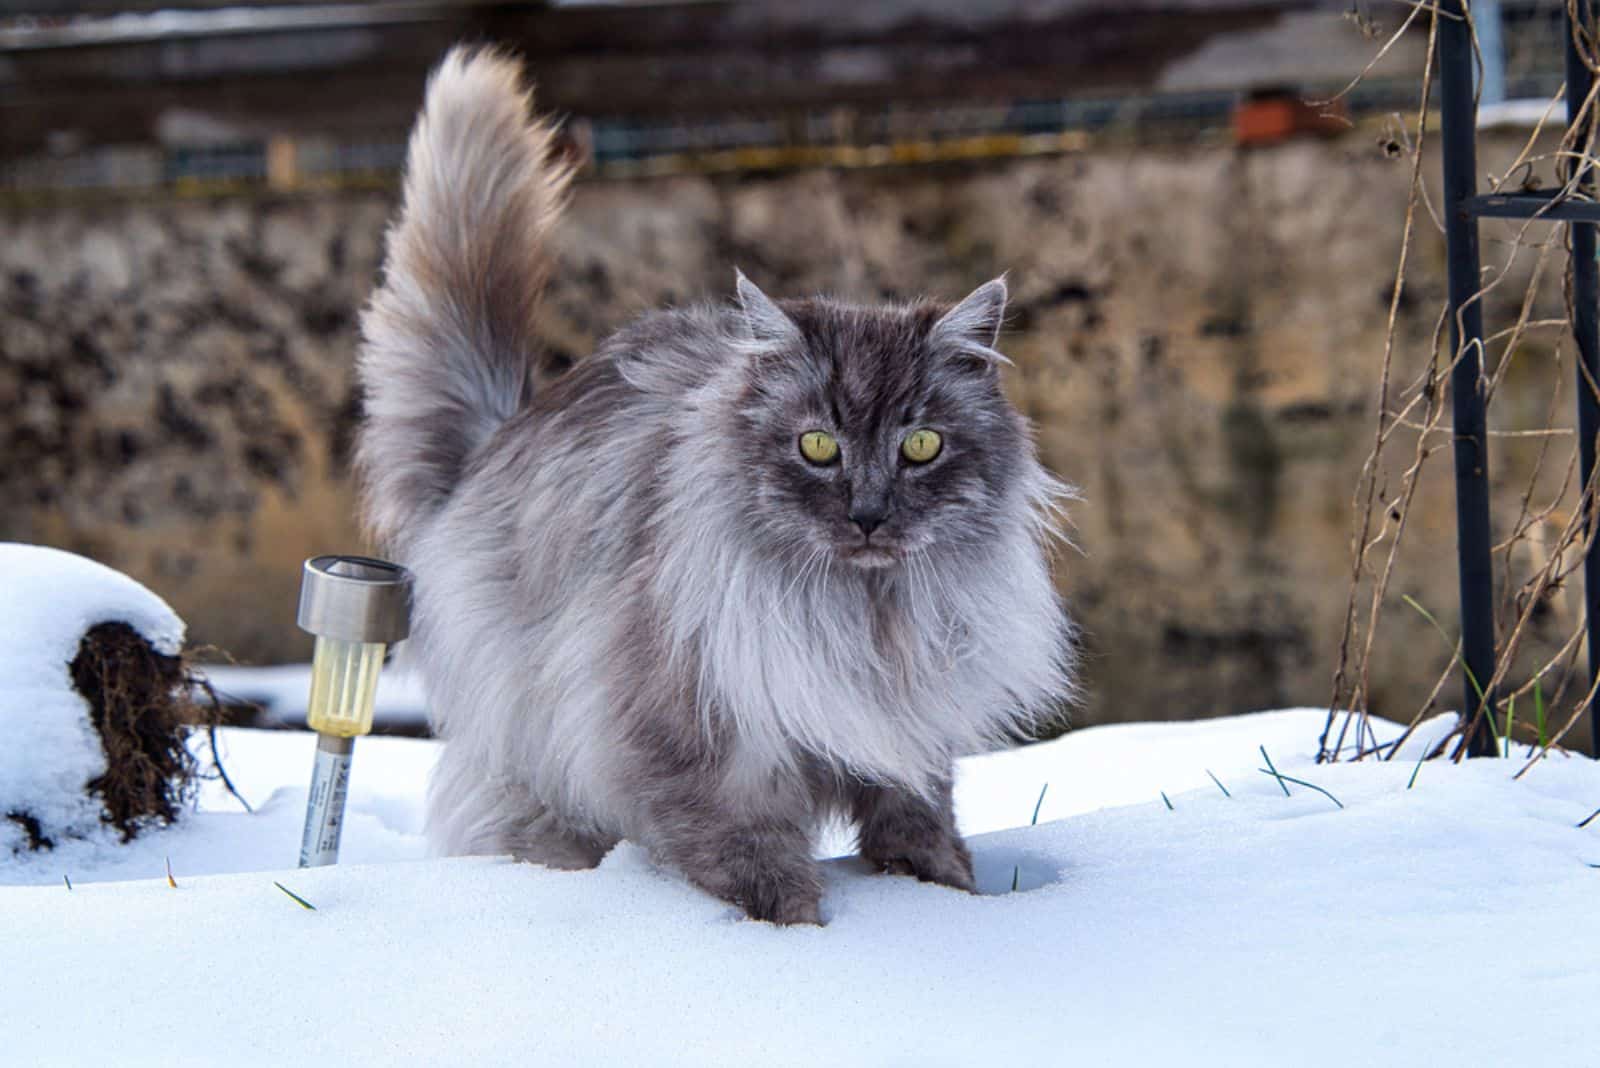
(1412,926)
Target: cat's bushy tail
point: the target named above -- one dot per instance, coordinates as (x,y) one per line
(449,348)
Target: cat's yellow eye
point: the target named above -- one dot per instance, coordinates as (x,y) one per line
(819,447)
(920,446)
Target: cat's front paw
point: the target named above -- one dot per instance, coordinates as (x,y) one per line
(948,865)
(780,901)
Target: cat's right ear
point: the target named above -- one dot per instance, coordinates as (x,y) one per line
(765,319)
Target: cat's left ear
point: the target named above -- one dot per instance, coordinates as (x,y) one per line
(765,319)
(973,326)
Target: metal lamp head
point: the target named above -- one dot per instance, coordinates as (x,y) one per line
(355,598)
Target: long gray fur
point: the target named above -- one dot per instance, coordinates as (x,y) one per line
(640,612)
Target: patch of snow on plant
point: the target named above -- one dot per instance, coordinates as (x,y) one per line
(51,749)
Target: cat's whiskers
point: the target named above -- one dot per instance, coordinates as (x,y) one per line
(815,555)
(920,568)
(935,571)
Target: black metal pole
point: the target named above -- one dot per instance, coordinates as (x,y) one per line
(1458,115)
(1585,292)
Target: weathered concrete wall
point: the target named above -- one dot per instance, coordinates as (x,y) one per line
(1197,334)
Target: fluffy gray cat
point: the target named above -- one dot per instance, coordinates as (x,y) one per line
(742,569)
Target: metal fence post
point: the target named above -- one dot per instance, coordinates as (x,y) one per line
(1584,330)
(1458,117)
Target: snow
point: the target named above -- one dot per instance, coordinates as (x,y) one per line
(1523,113)
(1255,928)
(51,599)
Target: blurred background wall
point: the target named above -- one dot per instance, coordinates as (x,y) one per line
(193,200)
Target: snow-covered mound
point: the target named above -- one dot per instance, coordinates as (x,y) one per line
(48,600)
(1238,928)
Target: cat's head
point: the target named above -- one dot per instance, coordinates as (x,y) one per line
(872,434)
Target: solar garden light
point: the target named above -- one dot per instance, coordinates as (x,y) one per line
(356,607)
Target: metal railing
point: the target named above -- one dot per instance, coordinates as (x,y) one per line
(1574,205)
(626,147)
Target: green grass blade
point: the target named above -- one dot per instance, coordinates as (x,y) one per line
(1455,658)
(1016,870)
(303,903)
(1300,782)
(1037,805)
(1168,801)
(1274,771)
(1218,781)
(1538,712)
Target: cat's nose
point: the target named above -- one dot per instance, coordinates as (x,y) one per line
(869,515)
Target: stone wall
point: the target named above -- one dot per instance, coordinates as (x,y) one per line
(1196,333)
